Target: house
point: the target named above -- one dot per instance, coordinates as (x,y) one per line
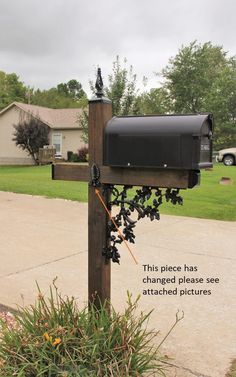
(65,132)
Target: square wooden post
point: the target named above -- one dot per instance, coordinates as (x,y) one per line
(99,269)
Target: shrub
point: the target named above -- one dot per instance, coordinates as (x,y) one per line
(69,155)
(83,154)
(55,338)
(74,157)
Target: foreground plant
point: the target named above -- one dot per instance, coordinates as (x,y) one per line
(232,371)
(55,338)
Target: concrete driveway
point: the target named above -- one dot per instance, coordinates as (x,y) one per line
(43,238)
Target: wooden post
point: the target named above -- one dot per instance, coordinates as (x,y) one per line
(99,269)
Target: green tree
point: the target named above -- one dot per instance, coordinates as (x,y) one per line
(122,88)
(72,89)
(222,102)
(83,122)
(202,78)
(11,89)
(65,95)
(155,101)
(190,75)
(30,135)
(52,99)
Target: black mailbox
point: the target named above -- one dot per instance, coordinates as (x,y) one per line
(163,141)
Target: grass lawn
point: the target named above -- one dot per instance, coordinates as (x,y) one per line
(210,200)
(36,180)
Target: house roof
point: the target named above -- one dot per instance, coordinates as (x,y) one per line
(54,118)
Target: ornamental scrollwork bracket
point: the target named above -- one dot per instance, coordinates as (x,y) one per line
(145,203)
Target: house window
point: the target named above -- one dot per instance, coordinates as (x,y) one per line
(57,142)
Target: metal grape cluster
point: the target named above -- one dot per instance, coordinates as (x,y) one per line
(145,203)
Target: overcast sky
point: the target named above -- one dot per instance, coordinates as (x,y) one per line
(52,41)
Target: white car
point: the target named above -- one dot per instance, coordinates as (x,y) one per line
(227,156)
